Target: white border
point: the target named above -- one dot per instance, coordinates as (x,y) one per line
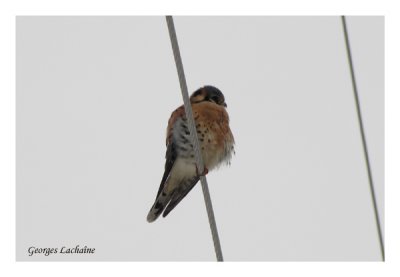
(10,9)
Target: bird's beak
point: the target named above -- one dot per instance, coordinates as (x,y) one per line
(225,105)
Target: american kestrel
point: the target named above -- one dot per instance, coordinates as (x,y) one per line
(216,142)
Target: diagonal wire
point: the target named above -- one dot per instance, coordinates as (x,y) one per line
(193,136)
(364,142)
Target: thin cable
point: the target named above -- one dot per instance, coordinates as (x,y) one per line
(364,142)
(193,136)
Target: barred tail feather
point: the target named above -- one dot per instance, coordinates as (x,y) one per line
(177,196)
(158,207)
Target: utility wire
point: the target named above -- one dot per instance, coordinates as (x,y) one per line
(193,136)
(364,142)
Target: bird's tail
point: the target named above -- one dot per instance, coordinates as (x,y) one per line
(158,207)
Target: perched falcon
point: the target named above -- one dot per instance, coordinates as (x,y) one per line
(216,142)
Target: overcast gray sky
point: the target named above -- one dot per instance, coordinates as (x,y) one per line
(94,95)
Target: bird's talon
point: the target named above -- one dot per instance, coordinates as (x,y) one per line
(205,171)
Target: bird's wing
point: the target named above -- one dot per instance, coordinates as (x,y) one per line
(170,157)
(171,154)
(184,188)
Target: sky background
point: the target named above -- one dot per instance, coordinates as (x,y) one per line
(94,95)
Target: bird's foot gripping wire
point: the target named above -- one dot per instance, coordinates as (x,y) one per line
(204,173)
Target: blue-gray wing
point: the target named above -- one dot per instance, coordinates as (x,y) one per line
(183,189)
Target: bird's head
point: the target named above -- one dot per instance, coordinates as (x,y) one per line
(208,93)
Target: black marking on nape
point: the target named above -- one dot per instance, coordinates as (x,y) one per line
(197,92)
(211,90)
